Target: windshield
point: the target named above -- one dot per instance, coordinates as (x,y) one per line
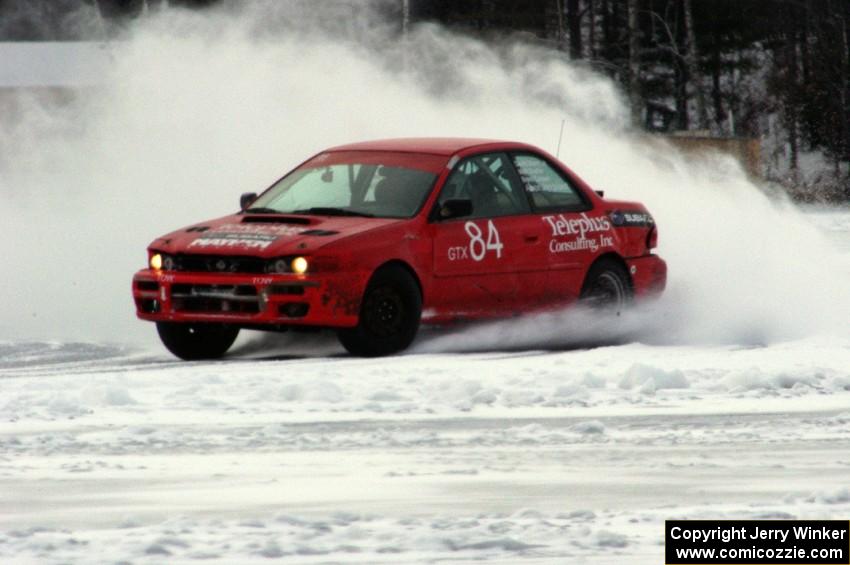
(380,185)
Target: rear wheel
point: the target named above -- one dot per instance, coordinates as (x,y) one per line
(389,315)
(197,341)
(607,286)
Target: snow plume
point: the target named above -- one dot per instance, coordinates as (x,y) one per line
(198,107)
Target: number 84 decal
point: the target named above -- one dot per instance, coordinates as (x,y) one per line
(478,247)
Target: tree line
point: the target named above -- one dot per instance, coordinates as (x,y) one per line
(778,70)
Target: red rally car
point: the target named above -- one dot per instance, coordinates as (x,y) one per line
(374,238)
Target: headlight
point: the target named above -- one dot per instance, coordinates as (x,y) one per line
(299,265)
(281,265)
(162,262)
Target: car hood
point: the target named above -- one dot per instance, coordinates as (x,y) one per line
(265,235)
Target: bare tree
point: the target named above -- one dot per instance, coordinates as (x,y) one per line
(691,58)
(844,32)
(559,10)
(591,38)
(574,23)
(634,61)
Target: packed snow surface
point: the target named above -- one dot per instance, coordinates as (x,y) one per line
(291,449)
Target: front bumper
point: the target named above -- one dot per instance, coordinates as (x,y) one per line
(649,275)
(248,299)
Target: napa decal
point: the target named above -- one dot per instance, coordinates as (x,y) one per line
(581,233)
(241,236)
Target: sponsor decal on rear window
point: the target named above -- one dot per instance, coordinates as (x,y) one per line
(631,219)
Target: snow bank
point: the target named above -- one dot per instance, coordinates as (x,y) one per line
(577,536)
(649,379)
(483,383)
(353,538)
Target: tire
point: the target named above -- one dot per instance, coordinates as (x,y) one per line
(196,341)
(389,315)
(607,286)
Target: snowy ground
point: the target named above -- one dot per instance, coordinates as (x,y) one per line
(109,453)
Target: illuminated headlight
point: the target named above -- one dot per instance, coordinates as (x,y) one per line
(299,265)
(162,262)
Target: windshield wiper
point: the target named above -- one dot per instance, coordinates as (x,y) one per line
(261,210)
(328,211)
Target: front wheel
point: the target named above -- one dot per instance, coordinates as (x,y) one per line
(607,286)
(389,315)
(196,341)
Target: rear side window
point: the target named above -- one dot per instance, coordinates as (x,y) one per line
(547,187)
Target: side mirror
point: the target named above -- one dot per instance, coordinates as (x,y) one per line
(247,199)
(455,209)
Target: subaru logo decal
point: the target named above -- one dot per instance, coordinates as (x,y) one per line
(617,218)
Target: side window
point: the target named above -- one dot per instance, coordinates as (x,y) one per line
(546,186)
(490,183)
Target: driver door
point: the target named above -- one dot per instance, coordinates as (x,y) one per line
(491,262)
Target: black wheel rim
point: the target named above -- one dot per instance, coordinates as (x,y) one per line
(383,312)
(608,291)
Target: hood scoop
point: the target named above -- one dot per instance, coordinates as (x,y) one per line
(275,220)
(319,232)
(198,229)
